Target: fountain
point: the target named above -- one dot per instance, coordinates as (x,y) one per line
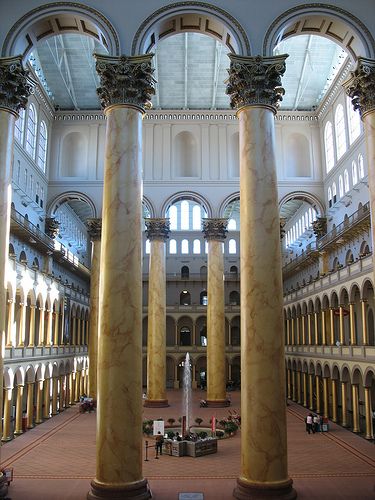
(186,384)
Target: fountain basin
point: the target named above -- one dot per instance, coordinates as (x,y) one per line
(190,448)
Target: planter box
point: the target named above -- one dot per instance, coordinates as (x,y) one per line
(200,448)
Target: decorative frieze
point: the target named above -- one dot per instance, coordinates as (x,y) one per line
(125,80)
(361,86)
(15,84)
(157,228)
(255,81)
(94,228)
(215,229)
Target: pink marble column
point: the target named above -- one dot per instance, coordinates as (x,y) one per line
(94,230)
(255,89)
(157,231)
(126,85)
(215,231)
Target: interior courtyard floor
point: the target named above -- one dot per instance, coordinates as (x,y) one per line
(56,460)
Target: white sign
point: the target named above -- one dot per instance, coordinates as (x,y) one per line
(158,427)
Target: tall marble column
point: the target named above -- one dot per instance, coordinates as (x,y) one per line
(368,413)
(334,400)
(30,405)
(311,391)
(95,231)
(7,434)
(361,88)
(157,231)
(344,406)
(215,231)
(255,90)
(126,86)
(19,411)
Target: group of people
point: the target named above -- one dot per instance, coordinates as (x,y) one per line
(314,423)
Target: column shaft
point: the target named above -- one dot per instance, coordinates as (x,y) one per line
(30,405)
(355,408)
(317,390)
(7,430)
(19,411)
(304,389)
(325,398)
(334,400)
(311,391)
(364,322)
(344,408)
(368,411)
(55,381)
(47,398)
(39,402)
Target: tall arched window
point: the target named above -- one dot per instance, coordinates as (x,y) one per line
(20,126)
(340,131)
(42,149)
(361,168)
(196,246)
(31,131)
(334,192)
(354,173)
(185,246)
(329,197)
(346,181)
(354,121)
(172,246)
(197,218)
(328,144)
(172,214)
(341,187)
(310,216)
(232,225)
(184,215)
(232,246)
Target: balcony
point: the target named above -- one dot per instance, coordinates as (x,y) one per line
(310,256)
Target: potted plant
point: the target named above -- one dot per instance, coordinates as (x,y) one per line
(198,421)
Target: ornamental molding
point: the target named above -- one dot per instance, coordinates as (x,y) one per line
(215,229)
(157,228)
(16,84)
(335,89)
(256,81)
(125,80)
(361,86)
(94,228)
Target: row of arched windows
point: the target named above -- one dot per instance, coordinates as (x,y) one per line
(37,149)
(358,173)
(335,137)
(184,247)
(300,227)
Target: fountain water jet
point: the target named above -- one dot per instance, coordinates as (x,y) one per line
(186,384)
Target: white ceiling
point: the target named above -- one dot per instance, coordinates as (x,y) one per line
(190,68)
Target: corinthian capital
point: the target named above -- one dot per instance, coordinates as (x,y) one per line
(157,229)
(94,228)
(215,229)
(125,80)
(15,84)
(361,86)
(255,81)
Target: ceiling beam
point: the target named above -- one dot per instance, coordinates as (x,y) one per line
(186,72)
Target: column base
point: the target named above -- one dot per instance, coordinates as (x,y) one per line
(155,403)
(138,491)
(217,403)
(18,433)
(282,490)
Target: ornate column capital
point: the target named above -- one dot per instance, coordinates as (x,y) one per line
(256,81)
(320,226)
(361,86)
(15,84)
(157,228)
(125,80)
(215,229)
(94,228)
(52,227)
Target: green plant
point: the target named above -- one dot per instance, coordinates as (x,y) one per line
(171,421)
(198,421)
(202,434)
(230,427)
(220,434)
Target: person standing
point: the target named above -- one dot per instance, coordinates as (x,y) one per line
(159,443)
(316,423)
(309,423)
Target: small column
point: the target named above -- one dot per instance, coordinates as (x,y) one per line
(56,326)
(316,334)
(22,325)
(62,395)
(325,398)
(294,386)
(176,382)
(71,389)
(77,386)
(317,390)
(126,86)
(344,407)
(332,325)
(55,384)
(32,326)
(287,331)
(157,231)
(355,408)
(297,330)
(7,430)
(19,411)
(47,399)
(293,340)
(30,405)
(311,391)
(9,335)
(95,232)
(334,400)
(303,329)
(342,336)
(41,327)
(368,412)
(352,324)
(49,328)
(324,334)
(305,389)
(289,384)
(39,402)
(309,336)
(299,401)
(215,231)
(364,322)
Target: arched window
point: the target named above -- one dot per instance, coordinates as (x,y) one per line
(185,298)
(172,246)
(346,181)
(197,218)
(354,173)
(20,126)
(31,131)
(329,197)
(340,131)
(185,246)
(185,272)
(232,246)
(361,168)
(334,192)
(328,144)
(354,121)
(184,215)
(203,298)
(185,334)
(147,247)
(196,246)
(341,187)
(42,150)
(232,225)
(172,214)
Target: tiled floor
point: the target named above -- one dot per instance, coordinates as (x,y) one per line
(56,460)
